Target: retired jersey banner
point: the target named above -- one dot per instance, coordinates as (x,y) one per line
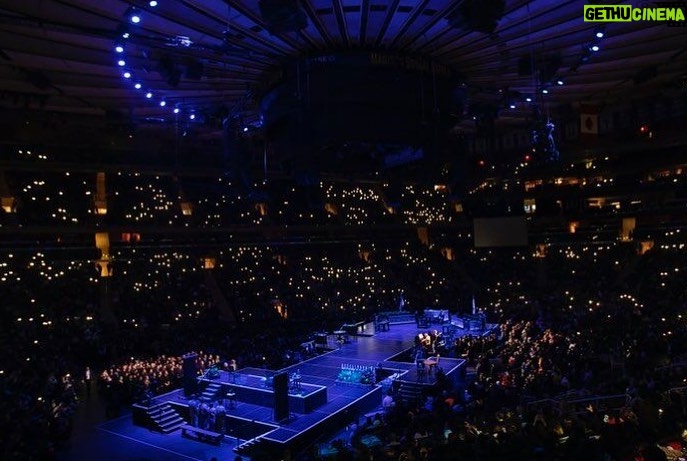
(589,120)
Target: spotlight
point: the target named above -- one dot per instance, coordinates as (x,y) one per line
(163,103)
(245,128)
(595,48)
(119,49)
(176,110)
(149,95)
(134,17)
(528,99)
(545,91)
(137,86)
(192,116)
(599,34)
(512,106)
(127,74)
(559,82)
(152,3)
(125,35)
(121,63)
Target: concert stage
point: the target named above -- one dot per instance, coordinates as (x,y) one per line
(320,406)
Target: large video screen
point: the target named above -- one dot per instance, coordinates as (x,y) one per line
(509,231)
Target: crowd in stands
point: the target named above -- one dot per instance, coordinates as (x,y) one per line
(69,199)
(586,364)
(586,321)
(577,321)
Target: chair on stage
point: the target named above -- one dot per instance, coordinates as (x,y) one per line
(431,363)
(381,323)
(421,370)
(230,401)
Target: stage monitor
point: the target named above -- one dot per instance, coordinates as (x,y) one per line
(507,231)
(281,397)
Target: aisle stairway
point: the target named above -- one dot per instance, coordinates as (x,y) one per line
(164,418)
(227,314)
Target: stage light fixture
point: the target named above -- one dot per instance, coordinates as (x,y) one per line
(163,103)
(137,86)
(559,82)
(528,99)
(176,110)
(127,74)
(119,49)
(152,3)
(545,91)
(599,32)
(512,106)
(192,116)
(149,95)
(594,48)
(134,17)
(121,63)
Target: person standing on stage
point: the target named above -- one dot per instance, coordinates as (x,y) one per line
(220,416)
(87,380)
(212,417)
(193,412)
(203,415)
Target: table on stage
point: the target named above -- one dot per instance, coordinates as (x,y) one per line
(341,336)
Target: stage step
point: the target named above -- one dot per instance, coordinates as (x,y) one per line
(249,447)
(164,418)
(210,392)
(410,394)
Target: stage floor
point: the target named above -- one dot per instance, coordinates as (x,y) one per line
(120,440)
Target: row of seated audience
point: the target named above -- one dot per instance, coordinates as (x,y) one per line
(590,320)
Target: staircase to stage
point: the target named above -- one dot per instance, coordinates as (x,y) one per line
(164,418)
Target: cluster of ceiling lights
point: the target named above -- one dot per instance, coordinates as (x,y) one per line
(590,48)
(587,51)
(133,17)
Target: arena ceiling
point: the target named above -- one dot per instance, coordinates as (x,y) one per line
(59,56)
